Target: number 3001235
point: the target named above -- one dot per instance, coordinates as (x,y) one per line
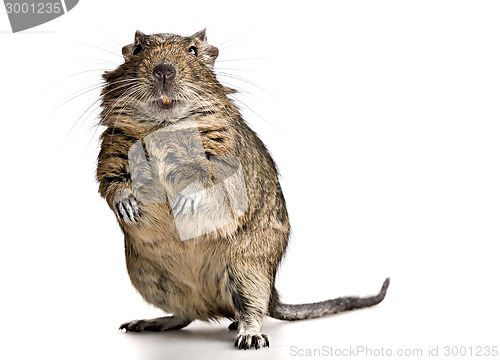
(39,8)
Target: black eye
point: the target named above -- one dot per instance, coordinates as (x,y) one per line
(193,50)
(137,50)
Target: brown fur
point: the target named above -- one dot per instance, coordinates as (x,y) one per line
(152,157)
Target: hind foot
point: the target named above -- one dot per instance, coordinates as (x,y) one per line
(247,340)
(158,324)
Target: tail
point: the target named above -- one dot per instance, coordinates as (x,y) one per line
(281,311)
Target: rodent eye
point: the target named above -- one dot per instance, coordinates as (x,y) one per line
(137,50)
(193,50)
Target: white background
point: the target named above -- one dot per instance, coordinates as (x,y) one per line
(383,117)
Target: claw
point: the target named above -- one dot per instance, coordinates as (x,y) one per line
(188,200)
(247,341)
(126,206)
(178,206)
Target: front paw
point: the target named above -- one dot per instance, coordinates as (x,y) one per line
(189,200)
(125,206)
(247,340)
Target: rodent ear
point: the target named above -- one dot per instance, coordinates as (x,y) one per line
(201,35)
(209,52)
(139,36)
(129,49)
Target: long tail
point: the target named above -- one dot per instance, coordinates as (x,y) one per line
(281,311)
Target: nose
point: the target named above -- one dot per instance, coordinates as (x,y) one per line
(164,72)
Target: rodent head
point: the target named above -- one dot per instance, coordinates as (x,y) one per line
(164,78)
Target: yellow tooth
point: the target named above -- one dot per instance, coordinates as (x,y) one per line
(164,99)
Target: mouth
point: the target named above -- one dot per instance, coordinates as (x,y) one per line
(165,103)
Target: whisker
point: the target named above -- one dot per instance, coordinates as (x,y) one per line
(84,72)
(258,115)
(87,90)
(114,53)
(239,78)
(236,36)
(211,106)
(252,58)
(87,113)
(96,61)
(141,98)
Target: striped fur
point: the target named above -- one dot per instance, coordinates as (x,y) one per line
(195,192)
